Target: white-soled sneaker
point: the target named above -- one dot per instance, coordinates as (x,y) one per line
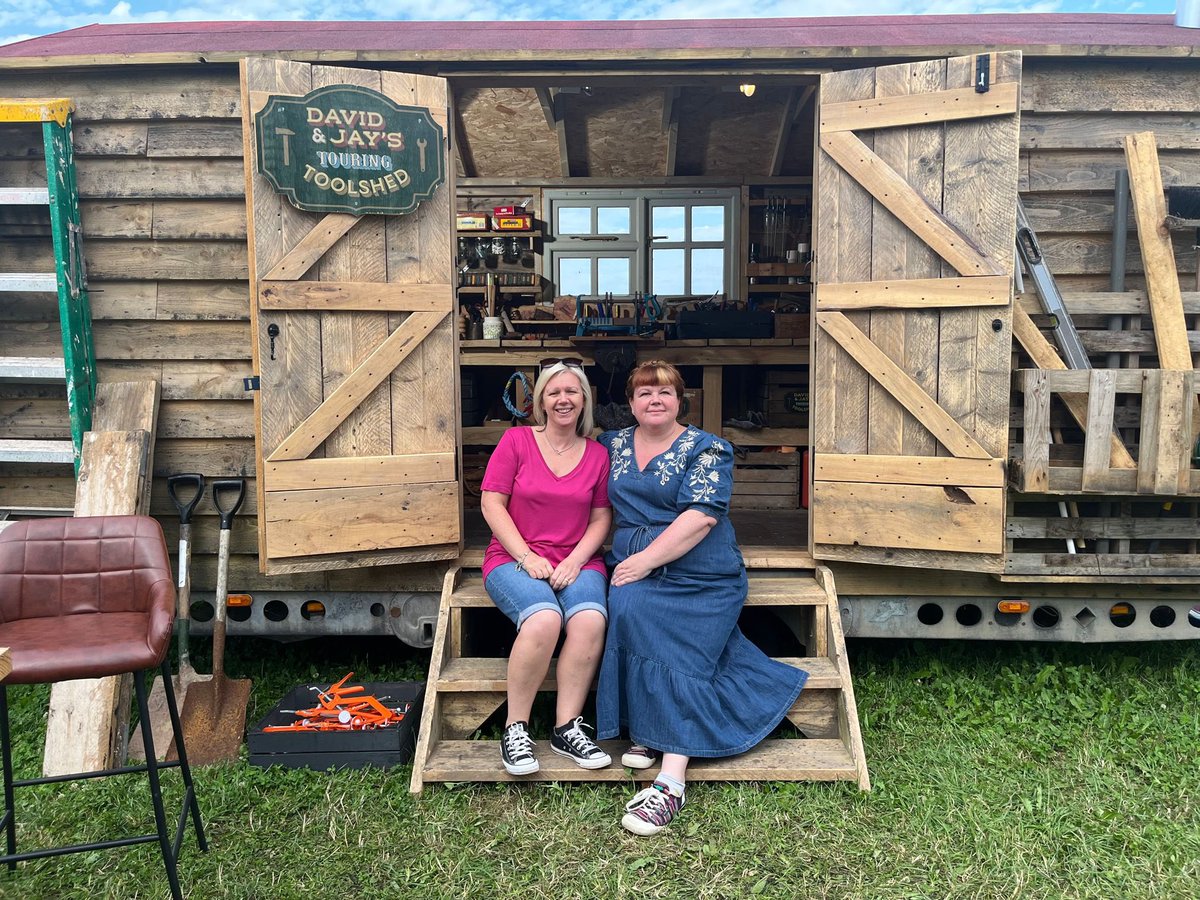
(639,756)
(651,810)
(516,750)
(570,741)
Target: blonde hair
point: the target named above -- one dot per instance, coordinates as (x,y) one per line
(657,372)
(586,422)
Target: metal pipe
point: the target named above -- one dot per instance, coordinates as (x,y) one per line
(1187,13)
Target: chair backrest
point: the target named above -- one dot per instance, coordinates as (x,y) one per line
(63,566)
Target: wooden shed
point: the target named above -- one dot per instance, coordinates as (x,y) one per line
(927,515)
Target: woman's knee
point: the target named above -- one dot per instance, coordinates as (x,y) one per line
(588,623)
(543,626)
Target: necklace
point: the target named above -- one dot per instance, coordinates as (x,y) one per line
(569,445)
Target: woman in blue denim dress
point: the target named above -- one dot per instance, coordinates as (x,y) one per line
(677,672)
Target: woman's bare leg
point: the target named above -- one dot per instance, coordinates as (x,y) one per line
(577,662)
(529,661)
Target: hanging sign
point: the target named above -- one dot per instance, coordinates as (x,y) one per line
(349,149)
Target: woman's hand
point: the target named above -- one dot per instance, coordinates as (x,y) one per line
(538,567)
(565,573)
(632,568)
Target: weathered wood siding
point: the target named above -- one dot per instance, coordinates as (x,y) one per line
(161,177)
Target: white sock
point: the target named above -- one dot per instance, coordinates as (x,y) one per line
(676,786)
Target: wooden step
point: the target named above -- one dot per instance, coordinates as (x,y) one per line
(37,451)
(755,558)
(765,590)
(772,760)
(28,281)
(24,196)
(490,674)
(33,369)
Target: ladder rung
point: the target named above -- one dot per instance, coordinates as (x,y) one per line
(34,512)
(28,281)
(44,369)
(37,451)
(29,196)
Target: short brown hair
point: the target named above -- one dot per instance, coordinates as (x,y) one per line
(654,371)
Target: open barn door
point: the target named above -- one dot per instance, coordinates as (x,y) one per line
(916,210)
(352,301)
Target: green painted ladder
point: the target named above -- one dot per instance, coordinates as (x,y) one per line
(69,281)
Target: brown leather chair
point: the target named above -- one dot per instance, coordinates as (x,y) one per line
(87,598)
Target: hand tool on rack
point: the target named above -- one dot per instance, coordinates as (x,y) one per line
(214,716)
(160,717)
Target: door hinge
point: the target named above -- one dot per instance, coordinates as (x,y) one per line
(250,383)
(983,73)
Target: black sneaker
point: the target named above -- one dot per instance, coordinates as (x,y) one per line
(516,749)
(570,741)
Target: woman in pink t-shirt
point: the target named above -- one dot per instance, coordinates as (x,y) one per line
(545,497)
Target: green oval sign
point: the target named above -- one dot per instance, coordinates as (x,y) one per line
(349,149)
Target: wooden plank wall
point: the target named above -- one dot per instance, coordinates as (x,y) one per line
(159,155)
(160,172)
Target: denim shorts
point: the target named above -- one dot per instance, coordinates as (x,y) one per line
(518,595)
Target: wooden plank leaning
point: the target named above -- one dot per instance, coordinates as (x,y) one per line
(88,723)
(1158,259)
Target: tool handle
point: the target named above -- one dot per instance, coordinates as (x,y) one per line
(221,598)
(174,483)
(224,486)
(184,613)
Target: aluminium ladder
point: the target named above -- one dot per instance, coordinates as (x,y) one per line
(77,367)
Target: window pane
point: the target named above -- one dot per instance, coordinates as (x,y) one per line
(708,271)
(708,223)
(574,220)
(612,275)
(666,272)
(668,224)
(575,275)
(612,220)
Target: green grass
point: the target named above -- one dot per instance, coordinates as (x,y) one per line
(998,770)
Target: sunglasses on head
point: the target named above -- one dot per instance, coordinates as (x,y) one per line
(573,361)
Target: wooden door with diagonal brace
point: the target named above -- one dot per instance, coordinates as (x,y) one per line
(915,219)
(357,408)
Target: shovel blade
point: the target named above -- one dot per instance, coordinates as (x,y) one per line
(160,716)
(214,719)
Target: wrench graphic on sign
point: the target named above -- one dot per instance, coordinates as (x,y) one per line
(421,142)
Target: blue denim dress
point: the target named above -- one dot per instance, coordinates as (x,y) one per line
(677,672)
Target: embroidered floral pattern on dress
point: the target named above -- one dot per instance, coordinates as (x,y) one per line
(672,462)
(622,452)
(703,478)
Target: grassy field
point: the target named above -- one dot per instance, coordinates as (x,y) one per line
(999,771)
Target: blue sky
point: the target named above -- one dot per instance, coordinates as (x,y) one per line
(20,19)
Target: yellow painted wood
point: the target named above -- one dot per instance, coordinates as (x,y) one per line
(937,470)
(36,110)
(901,386)
(915,211)
(311,247)
(362,471)
(355,296)
(920,109)
(309,434)
(916,293)
(920,517)
(345,520)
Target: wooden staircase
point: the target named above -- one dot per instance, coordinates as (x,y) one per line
(463,691)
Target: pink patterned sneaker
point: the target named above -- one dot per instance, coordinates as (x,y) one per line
(651,810)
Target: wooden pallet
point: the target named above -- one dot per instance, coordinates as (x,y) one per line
(464,691)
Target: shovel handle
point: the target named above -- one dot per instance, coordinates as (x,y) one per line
(174,483)
(225,486)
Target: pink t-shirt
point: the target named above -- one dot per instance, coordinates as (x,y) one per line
(549,510)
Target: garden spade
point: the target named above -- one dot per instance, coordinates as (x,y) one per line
(214,714)
(160,718)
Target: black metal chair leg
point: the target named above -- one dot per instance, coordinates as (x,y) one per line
(10,813)
(165,842)
(184,769)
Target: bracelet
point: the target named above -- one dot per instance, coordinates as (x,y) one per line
(521,561)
